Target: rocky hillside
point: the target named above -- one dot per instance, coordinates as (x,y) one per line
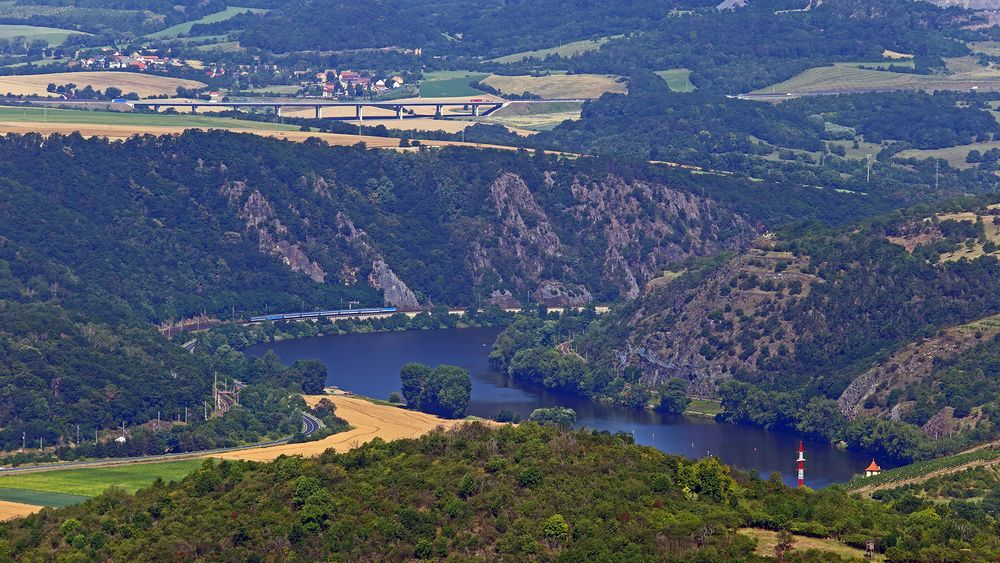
(216,227)
(882,318)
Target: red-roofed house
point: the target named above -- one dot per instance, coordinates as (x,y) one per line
(873,469)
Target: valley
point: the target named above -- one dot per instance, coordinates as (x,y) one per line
(655,280)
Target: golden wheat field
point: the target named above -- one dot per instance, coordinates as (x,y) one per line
(368,421)
(143,84)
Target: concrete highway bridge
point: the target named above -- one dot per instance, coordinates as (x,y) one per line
(401,108)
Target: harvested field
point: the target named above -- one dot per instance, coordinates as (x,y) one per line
(368,421)
(143,84)
(536,117)
(12,510)
(10,114)
(125,132)
(887,54)
(446,125)
(558,85)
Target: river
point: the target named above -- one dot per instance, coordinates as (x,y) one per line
(368,364)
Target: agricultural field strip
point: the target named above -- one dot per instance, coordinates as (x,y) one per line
(92,481)
(923,470)
(185,27)
(54,35)
(39,498)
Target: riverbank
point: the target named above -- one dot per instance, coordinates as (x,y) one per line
(368,420)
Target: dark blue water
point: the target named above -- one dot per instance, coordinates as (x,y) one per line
(368,364)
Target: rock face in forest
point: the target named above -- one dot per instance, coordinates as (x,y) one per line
(258,216)
(648,226)
(558,239)
(733,320)
(623,232)
(395,291)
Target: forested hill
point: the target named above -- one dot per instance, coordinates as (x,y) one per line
(653,35)
(482,29)
(224,223)
(782,330)
(504,494)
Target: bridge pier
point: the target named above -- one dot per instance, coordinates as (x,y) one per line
(437,111)
(359,113)
(194,109)
(277,110)
(319,112)
(475,110)
(156,109)
(399,112)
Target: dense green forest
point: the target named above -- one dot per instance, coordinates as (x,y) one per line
(528,492)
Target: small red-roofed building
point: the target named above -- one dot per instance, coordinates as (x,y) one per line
(873,469)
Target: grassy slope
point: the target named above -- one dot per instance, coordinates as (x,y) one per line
(184,28)
(767,539)
(89,482)
(565,50)
(847,77)
(40,115)
(678,79)
(54,36)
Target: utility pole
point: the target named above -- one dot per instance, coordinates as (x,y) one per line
(77,434)
(23,437)
(185,415)
(936,177)
(205,403)
(868,157)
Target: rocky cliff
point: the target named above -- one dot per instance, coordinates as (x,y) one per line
(732,320)
(558,239)
(259,218)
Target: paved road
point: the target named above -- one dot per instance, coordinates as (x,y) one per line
(310,424)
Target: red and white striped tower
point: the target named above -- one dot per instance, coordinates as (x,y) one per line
(802,466)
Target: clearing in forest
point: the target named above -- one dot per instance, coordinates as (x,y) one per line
(966,74)
(185,27)
(768,539)
(53,35)
(678,79)
(565,50)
